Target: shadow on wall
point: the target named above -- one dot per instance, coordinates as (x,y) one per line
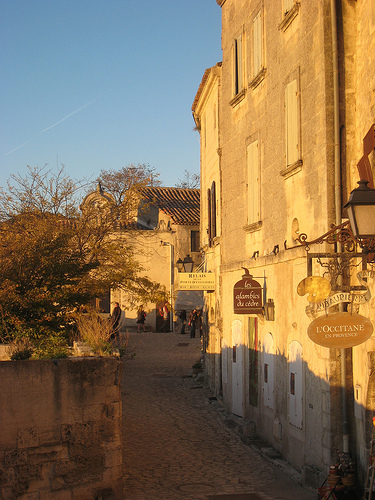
(281,401)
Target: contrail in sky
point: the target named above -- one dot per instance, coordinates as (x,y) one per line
(55,124)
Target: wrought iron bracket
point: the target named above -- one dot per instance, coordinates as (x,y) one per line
(337,234)
(338,264)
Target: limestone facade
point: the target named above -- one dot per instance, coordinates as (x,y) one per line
(281,136)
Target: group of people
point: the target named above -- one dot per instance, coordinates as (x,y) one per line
(194,320)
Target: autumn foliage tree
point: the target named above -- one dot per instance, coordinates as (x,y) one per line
(55,256)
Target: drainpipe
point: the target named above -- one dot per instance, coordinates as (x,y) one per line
(338,203)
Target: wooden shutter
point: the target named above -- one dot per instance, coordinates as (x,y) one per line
(253,183)
(238,78)
(209,229)
(257,39)
(213,210)
(291,123)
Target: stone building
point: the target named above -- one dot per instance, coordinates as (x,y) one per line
(164,229)
(282,122)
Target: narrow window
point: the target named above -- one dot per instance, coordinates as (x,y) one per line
(253,183)
(293,384)
(194,241)
(209,228)
(257,44)
(292,146)
(238,78)
(213,210)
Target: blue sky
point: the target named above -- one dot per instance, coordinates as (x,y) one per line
(101,84)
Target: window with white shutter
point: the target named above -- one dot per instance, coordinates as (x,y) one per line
(292,146)
(253,183)
(257,44)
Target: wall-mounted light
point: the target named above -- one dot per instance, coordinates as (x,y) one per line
(361,211)
(269,310)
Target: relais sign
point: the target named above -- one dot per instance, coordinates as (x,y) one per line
(340,330)
(247,296)
(196,281)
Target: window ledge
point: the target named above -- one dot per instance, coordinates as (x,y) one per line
(289,16)
(291,169)
(258,78)
(237,98)
(251,228)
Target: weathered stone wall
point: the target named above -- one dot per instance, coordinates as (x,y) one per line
(60,429)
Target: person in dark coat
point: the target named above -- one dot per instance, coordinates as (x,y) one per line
(182,317)
(192,323)
(141,318)
(115,318)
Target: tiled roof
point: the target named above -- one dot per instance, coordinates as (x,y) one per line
(182,205)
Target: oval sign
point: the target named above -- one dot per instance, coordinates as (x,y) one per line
(340,330)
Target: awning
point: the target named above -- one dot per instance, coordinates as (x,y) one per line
(189,300)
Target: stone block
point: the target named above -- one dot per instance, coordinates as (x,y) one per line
(28,438)
(14,458)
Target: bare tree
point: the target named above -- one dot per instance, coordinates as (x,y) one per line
(190,181)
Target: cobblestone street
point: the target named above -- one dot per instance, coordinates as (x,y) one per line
(176,442)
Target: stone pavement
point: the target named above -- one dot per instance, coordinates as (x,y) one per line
(176,444)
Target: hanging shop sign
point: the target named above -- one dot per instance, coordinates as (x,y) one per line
(196,281)
(340,330)
(247,295)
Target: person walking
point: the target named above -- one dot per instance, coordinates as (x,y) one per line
(141,318)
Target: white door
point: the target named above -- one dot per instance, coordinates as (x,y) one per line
(295,385)
(237,368)
(268,371)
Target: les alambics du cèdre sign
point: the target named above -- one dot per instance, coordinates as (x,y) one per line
(247,296)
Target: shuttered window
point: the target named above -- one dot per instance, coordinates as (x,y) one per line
(211,212)
(237,70)
(253,183)
(257,44)
(292,146)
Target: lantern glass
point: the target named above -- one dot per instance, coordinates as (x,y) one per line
(361,211)
(188,264)
(269,310)
(362,220)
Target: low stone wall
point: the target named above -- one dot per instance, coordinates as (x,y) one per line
(60,429)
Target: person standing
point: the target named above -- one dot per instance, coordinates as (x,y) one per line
(192,322)
(115,318)
(166,318)
(141,318)
(182,317)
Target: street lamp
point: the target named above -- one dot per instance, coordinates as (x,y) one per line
(269,310)
(186,264)
(361,211)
